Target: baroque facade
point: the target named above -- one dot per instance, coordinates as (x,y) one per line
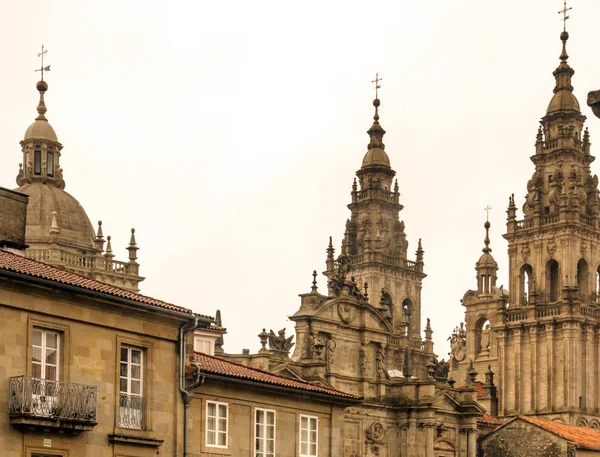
(541,337)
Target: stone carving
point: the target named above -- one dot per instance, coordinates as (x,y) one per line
(525,251)
(375,433)
(364,363)
(347,312)
(385,304)
(485,341)
(379,361)
(408,288)
(583,248)
(458,343)
(331,346)
(279,342)
(551,247)
(442,368)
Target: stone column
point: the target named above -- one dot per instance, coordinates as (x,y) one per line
(429,435)
(472,443)
(502,371)
(411,441)
(550,366)
(533,334)
(517,374)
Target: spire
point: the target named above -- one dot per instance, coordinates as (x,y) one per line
(109,253)
(376,155)
(563,99)
(330,259)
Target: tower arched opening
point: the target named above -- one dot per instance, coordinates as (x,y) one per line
(552,280)
(482,337)
(583,277)
(525,284)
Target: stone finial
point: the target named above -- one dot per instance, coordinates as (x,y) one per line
(354,186)
(264,337)
(109,253)
(430,369)
(489,376)
(396,188)
(420,252)
(99,240)
(472,374)
(314,283)
(132,248)
(54,226)
(330,260)
(428,331)
(451,381)
(218,321)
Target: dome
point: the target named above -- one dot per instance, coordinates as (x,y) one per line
(40,130)
(563,100)
(75,227)
(486,259)
(376,156)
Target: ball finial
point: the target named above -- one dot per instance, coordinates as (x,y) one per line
(376,103)
(42,86)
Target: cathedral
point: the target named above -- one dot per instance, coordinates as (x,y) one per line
(523,358)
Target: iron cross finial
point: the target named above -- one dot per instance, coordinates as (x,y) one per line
(377,85)
(564,12)
(487,212)
(43,68)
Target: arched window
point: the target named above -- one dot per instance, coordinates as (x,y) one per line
(583,277)
(525,283)
(552,280)
(37,160)
(482,337)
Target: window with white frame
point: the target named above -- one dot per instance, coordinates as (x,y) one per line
(131,400)
(309,436)
(204,345)
(216,424)
(45,370)
(264,433)
(45,355)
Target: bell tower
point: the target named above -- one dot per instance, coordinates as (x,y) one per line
(547,338)
(374,247)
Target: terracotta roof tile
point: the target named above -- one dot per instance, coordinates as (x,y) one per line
(28,267)
(581,436)
(214,365)
(486,418)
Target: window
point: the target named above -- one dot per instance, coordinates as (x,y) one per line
(45,370)
(45,354)
(204,345)
(308,436)
(37,162)
(50,164)
(216,424)
(131,401)
(264,437)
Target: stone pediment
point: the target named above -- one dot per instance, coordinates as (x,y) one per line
(287,370)
(348,312)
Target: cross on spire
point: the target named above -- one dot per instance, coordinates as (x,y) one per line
(487,212)
(377,85)
(564,12)
(43,68)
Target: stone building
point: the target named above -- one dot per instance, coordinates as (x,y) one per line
(59,231)
(541,337)
(363,334)
(525,436)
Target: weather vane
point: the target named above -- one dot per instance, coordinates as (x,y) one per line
(487,212)
(564,12)
(42,69)
(377,86)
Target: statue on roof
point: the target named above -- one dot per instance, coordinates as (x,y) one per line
(279,342)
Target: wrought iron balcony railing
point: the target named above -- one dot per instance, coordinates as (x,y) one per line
(55,400)
(132,409)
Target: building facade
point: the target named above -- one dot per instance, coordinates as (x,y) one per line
(541,337)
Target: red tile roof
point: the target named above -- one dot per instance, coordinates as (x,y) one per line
(214,365)
(580,436)
(28,267)
(487,419)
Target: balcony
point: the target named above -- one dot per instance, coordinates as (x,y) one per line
(52,405)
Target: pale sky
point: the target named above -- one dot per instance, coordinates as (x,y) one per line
(228,133)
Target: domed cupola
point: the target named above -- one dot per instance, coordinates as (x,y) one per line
(53,215)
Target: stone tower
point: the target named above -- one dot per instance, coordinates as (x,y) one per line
(58,230)
(544,344)
(374,248)
(548,342)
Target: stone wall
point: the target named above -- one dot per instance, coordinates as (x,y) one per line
(520,439)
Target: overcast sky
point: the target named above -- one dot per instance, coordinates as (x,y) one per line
(228,133)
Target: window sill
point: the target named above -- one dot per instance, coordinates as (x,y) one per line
(134,439)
